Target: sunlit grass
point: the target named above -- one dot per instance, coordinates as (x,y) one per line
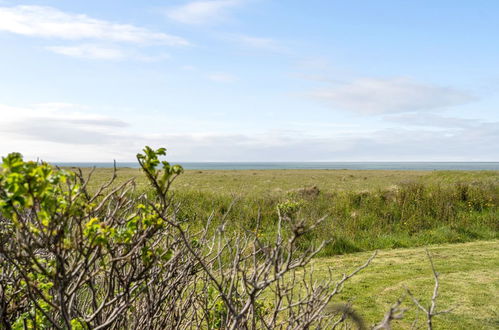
(468,283)
(364,210)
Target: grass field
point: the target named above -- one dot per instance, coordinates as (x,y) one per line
(278,182)
(399,212)
(469,283)
(364,210)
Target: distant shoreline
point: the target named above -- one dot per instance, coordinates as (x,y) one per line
(409,166)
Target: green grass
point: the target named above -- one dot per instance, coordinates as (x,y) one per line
(365,210)
(278,182)
(396,211)
(469,283)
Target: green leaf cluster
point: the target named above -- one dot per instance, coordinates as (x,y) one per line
(160,173)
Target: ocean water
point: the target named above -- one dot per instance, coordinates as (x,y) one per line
(421,166)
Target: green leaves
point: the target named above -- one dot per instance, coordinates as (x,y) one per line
(24,185)
(289,208)
(13,162)
(162,178)
(149,160)
(78,324)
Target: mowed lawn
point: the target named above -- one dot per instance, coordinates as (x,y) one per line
(469,283)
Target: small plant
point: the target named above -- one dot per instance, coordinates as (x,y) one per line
(289,208)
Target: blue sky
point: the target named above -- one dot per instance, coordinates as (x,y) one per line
(250,80)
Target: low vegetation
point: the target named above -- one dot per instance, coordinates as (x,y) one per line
(365,210)
(121,255)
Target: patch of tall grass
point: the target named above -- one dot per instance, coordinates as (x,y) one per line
(404,215)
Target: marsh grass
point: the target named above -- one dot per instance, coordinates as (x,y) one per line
(365,210)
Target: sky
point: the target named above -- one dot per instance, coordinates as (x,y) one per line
(250,80)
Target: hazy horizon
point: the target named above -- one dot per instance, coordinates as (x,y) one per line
(416,166)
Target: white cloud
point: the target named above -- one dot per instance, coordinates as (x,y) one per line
(247,41)
(189,68)
(102,52)
(57,131)
(395,95)
(89,51)
(58,112)
(434,120)
(48,108)
(256,41)
(201,12)
(222,77)
(66,132)
(48,22)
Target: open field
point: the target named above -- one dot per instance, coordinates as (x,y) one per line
(277,182)
(364,210)
(396,211)
(469,283)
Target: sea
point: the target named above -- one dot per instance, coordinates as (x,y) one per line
(418,166)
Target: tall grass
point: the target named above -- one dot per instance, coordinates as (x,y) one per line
(365,210)
(406,215)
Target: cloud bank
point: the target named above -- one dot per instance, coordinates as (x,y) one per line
(395,95)
(61,132)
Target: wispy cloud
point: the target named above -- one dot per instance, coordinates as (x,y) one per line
(103,52)
(253,42)
(58,122)
(189,68)
(60,112)
(89,51)
(222,77)
(202,12)
(394,95)
(433,120)
(48,22)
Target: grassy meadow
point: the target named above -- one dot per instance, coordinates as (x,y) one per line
(454,213)
(363,210)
